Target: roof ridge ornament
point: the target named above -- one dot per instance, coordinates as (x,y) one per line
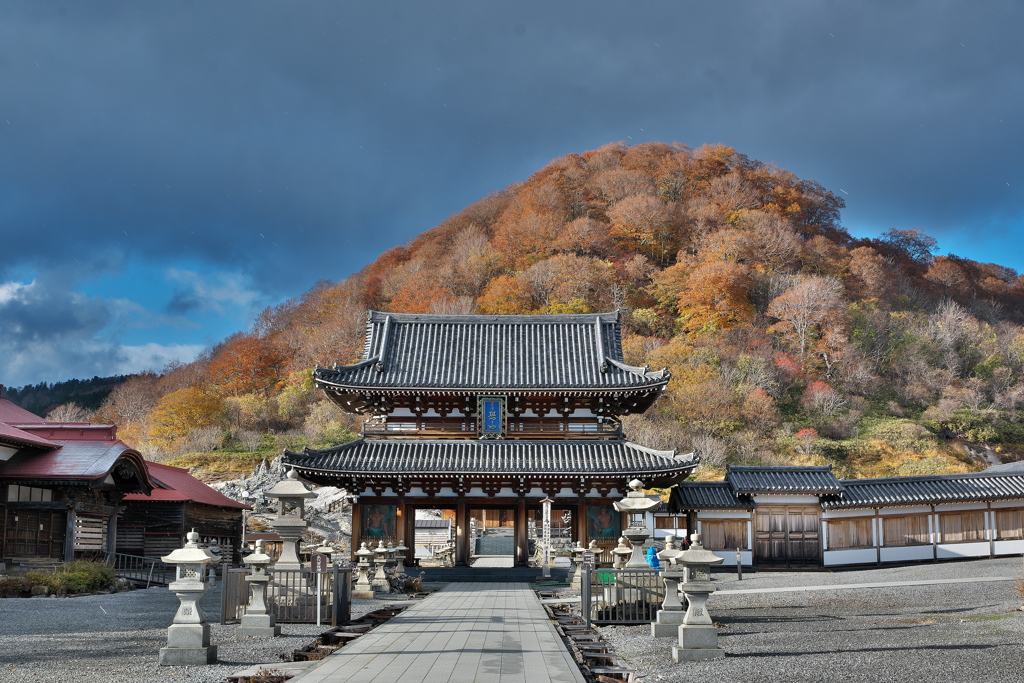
(599,342)
(383,344)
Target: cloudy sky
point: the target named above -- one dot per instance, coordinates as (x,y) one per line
(168,169)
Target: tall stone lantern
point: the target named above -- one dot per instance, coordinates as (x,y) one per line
(257,620)
(188,637)
(363,588)
(636,504)
(698,638)
(290,521)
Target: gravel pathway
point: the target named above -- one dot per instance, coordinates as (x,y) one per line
(116,639)
(944,632)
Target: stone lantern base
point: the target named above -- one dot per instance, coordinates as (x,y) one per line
(188,644)
(258,625)
(667,623)
(697,641)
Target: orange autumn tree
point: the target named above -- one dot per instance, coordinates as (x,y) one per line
(244,364)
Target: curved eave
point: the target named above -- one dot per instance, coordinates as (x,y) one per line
(341,387)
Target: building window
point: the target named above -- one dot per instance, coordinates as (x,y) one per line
(1009,524)
(960,527)
(28,494)
(724,534)
(669,522)
(907,530)
(854,532)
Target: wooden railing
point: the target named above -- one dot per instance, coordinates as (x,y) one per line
(522,428)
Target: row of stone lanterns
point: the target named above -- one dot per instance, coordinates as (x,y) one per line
(378,559)
(188,638)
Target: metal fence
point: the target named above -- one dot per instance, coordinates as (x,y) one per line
(621,596)
(142,571)
(292,595)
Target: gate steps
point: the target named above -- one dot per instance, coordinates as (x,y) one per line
(487,574)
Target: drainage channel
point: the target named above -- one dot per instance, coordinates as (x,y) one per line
(595,656)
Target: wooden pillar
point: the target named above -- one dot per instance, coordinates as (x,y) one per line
(408,530)
(357,530)
(580,521)
(462,549)
(522,557)
(69,536)
(111,537)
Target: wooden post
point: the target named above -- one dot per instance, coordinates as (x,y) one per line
(522,539)
(580,520)
(111,537)
(357,531)
(69,536)
(462,549)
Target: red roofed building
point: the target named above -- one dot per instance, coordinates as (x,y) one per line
(60,487)
(153,525)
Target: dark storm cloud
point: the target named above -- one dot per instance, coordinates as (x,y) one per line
(288,142)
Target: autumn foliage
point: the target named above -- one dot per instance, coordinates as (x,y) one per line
(786,337)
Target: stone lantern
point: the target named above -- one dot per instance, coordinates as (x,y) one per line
(257,620)
(290,522)
(188,637)
(577,554)
(380,577)
(671,614)
(636,504)
(392,555)
(400,551)
(363,589)
(697,636)
(620,552)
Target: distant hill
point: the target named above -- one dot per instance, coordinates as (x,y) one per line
(43,397)
(789,340)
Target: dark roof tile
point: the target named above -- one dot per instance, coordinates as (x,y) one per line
(412,351)
(758,479)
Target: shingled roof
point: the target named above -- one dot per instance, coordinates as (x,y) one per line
(936,488)
(706,495)
(440,458)
(771,479)
(489,353)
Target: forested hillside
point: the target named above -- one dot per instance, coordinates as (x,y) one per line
(788,340)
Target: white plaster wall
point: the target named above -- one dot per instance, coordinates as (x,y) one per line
(905,510)
(6,453)
(953,507)
(1012,503)
(974,549)
(907,553)
(723,514)
(843,514)
(746,557)
(832,558)
(769,499)
(1015,547)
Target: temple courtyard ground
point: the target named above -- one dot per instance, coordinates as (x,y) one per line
(955,621)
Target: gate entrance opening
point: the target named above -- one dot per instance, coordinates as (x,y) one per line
(492,537)
(435,533)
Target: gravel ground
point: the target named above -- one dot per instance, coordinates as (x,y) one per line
(943,632)
(116,639)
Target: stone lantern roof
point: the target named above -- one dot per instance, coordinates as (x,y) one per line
(289,487)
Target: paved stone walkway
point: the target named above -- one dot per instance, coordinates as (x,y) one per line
(465,633)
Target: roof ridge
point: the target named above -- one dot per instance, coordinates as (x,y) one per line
(582,318)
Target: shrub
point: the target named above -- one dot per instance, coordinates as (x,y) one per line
(14,585)
(83,576)
(53,581)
